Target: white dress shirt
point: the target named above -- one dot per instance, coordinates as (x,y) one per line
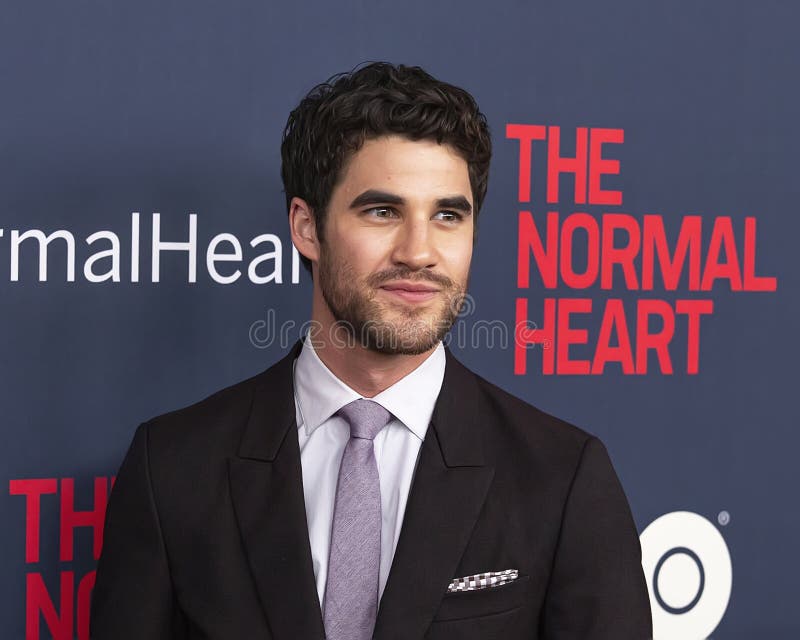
(319,394)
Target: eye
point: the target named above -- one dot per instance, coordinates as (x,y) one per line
(449,216)
(381,212)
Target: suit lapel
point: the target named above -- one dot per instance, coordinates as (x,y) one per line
(267,493)
(448,491)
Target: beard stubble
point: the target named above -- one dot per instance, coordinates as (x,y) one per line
(413,329)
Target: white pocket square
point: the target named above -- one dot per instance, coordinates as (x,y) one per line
(483,580)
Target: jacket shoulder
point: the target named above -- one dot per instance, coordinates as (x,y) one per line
(214,424)
(519,428)
(217,417)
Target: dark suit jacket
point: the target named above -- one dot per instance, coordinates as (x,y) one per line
(206,534)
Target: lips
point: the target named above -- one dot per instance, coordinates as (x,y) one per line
(410,291)
(409,287)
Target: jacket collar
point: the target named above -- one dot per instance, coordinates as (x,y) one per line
(272,410)
(458,415)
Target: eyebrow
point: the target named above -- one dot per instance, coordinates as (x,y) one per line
(374,196)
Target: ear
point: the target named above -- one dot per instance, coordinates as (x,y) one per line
(303,229)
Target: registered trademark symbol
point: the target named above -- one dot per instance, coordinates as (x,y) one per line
(724,518)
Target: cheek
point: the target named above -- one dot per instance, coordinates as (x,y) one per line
(365,254)
(458,256)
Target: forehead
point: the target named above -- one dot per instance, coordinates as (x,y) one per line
(412,168)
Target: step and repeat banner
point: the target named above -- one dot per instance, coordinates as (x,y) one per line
(635,272)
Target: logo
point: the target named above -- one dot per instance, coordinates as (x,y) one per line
(689,575)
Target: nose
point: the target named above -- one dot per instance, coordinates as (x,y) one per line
(415,244)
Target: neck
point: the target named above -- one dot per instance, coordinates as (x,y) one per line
(365,371)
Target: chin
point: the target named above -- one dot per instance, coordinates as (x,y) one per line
(402,350)
(401,338)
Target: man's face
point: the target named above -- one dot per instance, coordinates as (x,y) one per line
(397,244)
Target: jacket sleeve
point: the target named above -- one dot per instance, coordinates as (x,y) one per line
(597,589)
(133,596)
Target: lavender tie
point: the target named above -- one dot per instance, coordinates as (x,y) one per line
(351,593)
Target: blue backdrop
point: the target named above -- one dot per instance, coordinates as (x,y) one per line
(114,112)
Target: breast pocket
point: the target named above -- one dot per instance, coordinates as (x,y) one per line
(489,601)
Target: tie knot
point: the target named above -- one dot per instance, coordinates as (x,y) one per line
(366,418)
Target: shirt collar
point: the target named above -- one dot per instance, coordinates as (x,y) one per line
(411,399)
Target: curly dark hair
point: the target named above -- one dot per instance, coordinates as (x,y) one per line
(336,117)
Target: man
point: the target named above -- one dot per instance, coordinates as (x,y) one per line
(368,484)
